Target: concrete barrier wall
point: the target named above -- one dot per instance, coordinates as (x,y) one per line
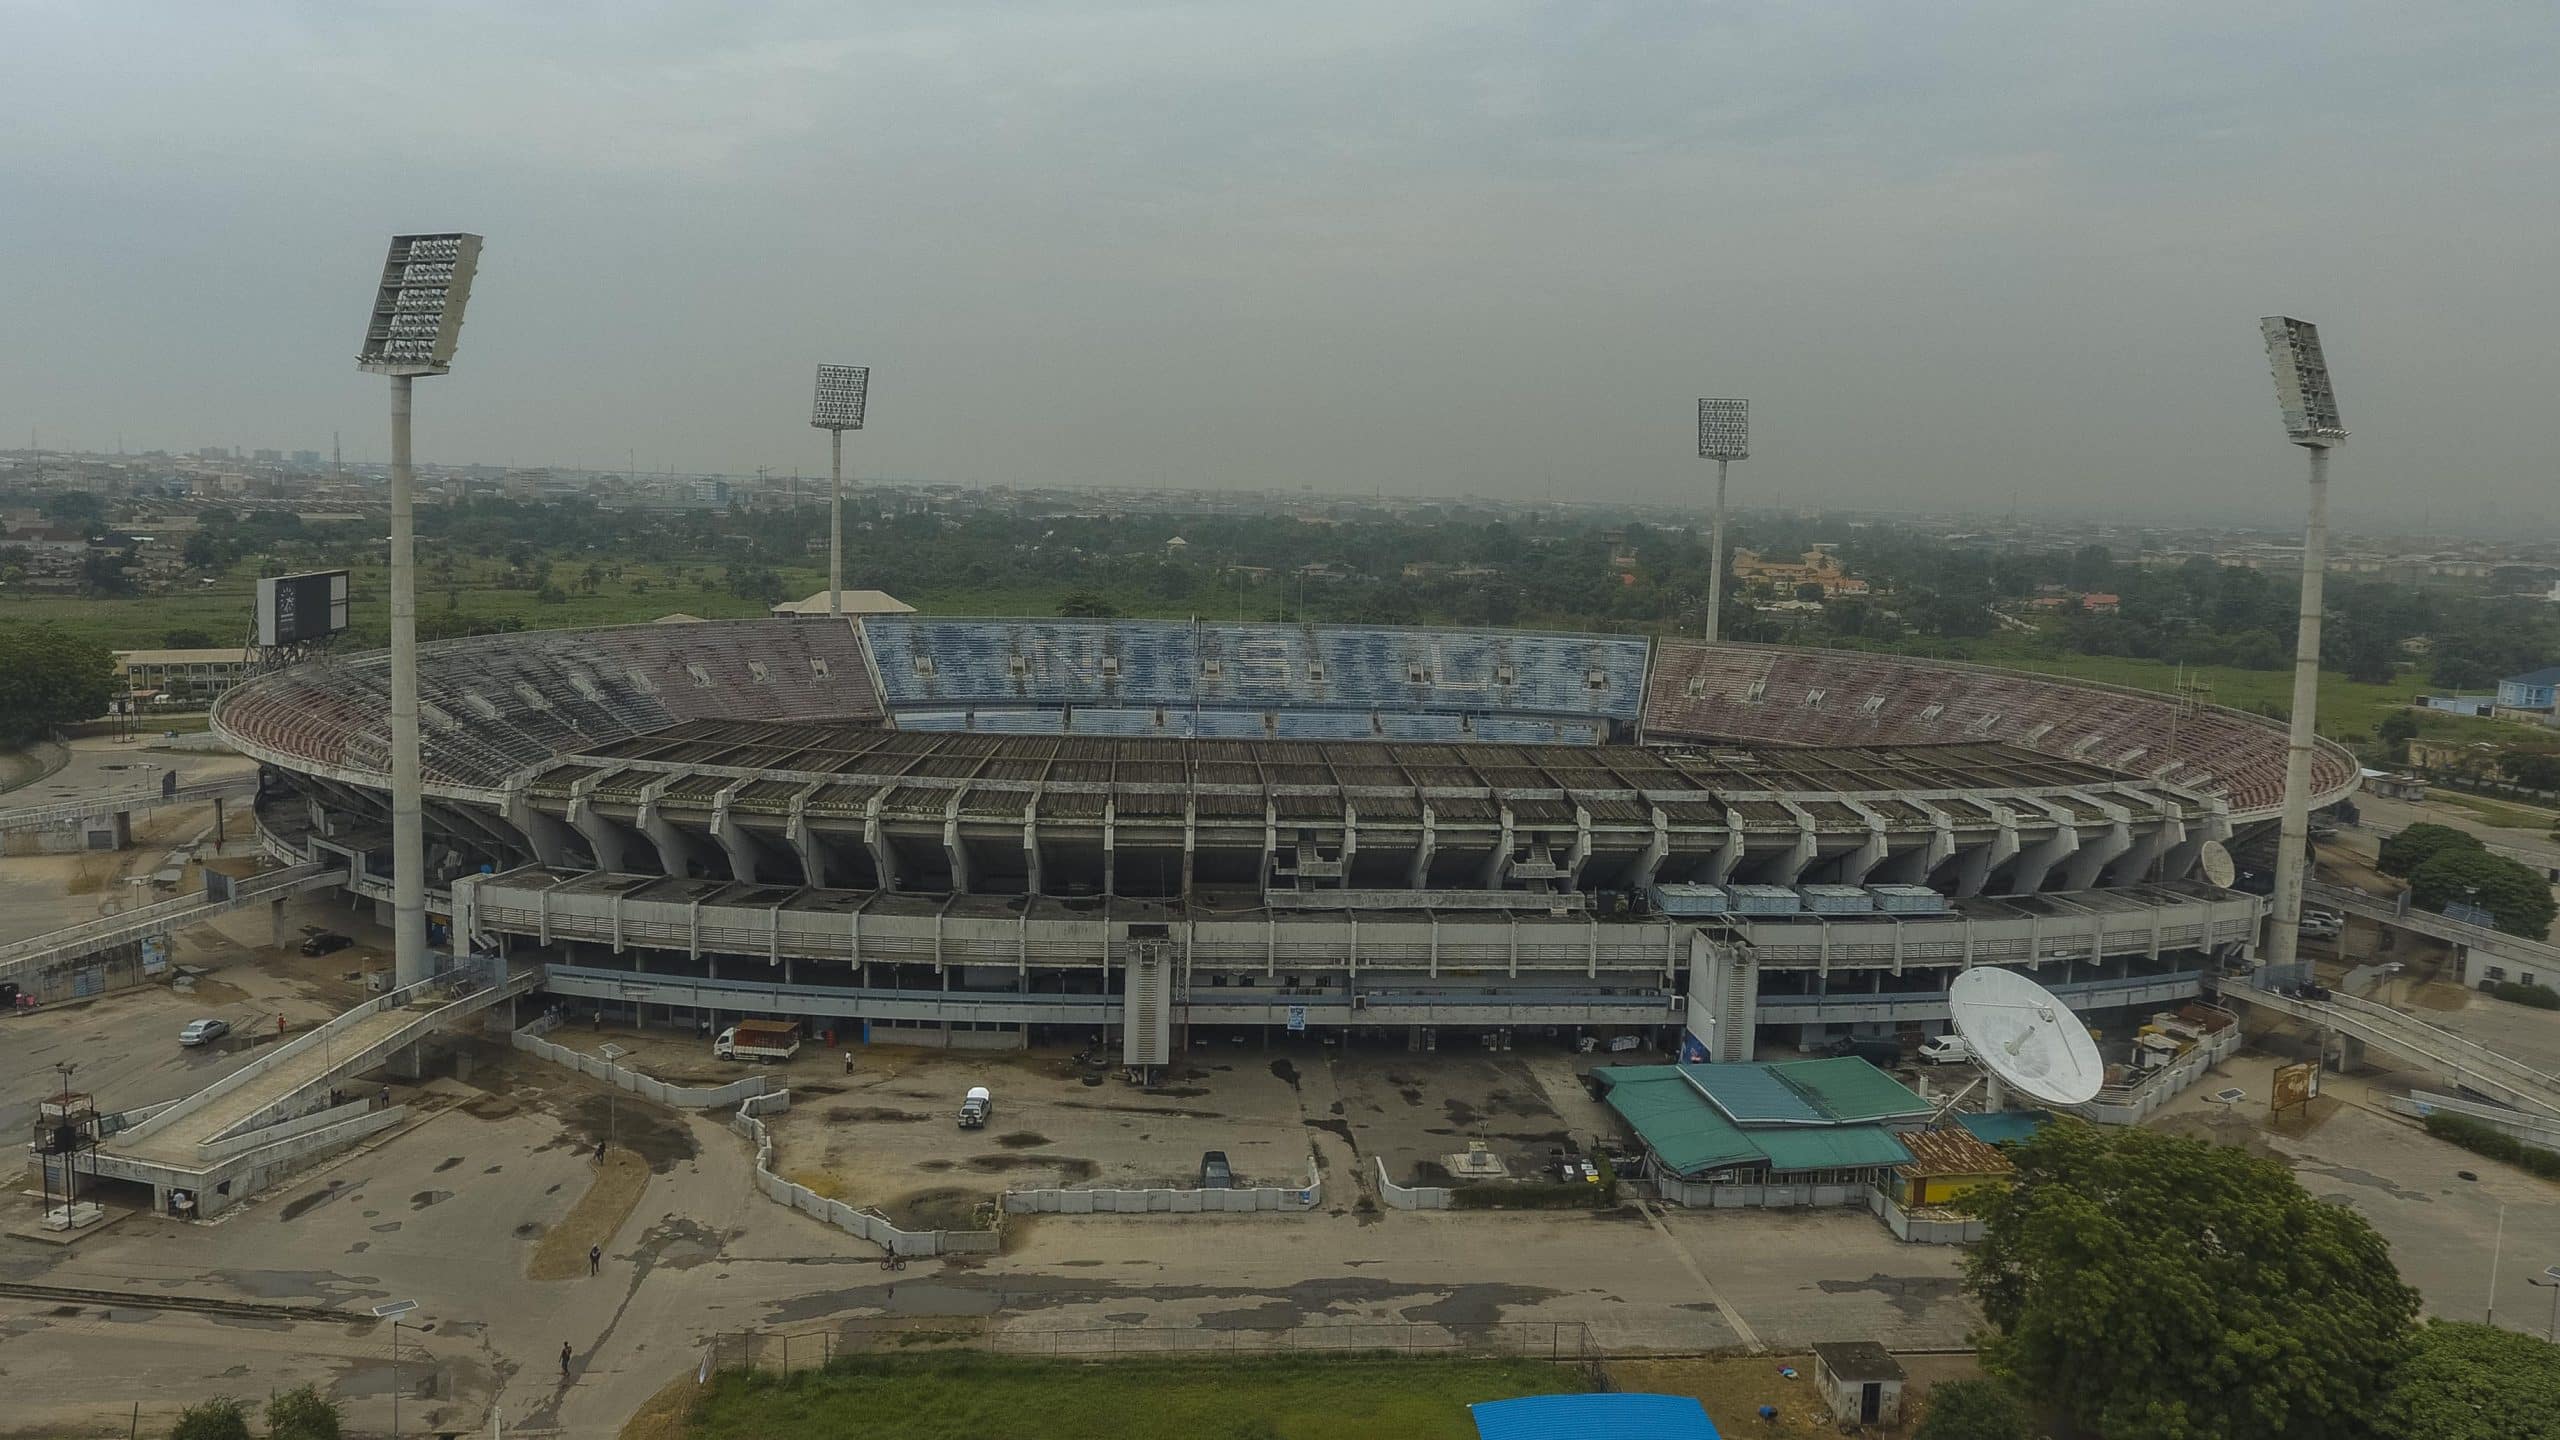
(1921,1230)
(443,1017)
(2531,1129)
(214,1152)
(1169,1201)
(1759,1197)
(620,1077)
(1410,1197)
(255,1170)
(2132,1107)
(859,1223)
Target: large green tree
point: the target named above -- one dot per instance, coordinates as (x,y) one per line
(2516,896)
(2414,846)
(1975,1410)
(2475,1382)
(48,680)
(2159,1288)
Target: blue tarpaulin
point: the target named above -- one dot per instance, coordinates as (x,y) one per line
(1593,1417)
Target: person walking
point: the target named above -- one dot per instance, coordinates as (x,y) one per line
(848,1062)
(564,1359)
(595,1259)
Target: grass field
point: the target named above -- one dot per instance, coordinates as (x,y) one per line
(973,1396)
(2348,709)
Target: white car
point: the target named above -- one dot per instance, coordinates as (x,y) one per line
(1945,1050)
(203,1032)
(2320,925)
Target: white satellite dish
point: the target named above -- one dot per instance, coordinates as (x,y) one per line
(2026,1038)
(2215,858)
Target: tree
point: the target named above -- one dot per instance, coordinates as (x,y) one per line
(220,1418)
(303,1413)
(2532,769)
(2159,1288)
(48,680)
(1975,1410)
(2403,853)
(2475,1382)
(2395,731)
(1085,605)
(2516,896)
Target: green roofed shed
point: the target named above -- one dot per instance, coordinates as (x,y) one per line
(1683,1131)
(1852,1091)
(1837,1147)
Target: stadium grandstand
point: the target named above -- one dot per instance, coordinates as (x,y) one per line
(999,832)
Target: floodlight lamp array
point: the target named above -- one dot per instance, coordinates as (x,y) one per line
(2303,392)
(1724,429)
(842,392)
(417,308)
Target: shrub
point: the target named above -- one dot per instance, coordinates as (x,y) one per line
(220,1418)
(1546,1195)
(2540,997)
(1975,1410)
(302,1414)
(2482,1139)
(2403,853)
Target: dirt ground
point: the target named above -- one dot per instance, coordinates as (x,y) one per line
(594,1220)
(1734,1387)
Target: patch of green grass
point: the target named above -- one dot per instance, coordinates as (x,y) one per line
(2492,812)
(968,1395)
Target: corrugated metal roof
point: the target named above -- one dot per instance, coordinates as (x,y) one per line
(1951,1152)
(1683,1131)
(1845,1147)
(1591,1417)
(1751,1094)
(1850,1090)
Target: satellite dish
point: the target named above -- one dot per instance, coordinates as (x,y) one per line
(2218,869)
(2021,1034)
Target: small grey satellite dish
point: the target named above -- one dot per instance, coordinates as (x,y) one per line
(2025,1037)
(2215,859)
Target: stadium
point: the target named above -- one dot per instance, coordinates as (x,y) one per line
(993,833)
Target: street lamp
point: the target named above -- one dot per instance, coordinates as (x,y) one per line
(392,1312)
(2549,1280)
(842,390)
(415,323)
(2310,409)
(1724,436)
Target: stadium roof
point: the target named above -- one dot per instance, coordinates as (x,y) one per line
(1849,1147)
(1593,1417)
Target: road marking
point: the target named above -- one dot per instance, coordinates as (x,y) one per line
(1750,1338)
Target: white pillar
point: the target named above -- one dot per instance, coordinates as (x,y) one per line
(835,527)
(2293,841)
(1715,563)
(408,822)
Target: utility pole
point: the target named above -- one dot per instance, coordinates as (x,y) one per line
(1724,436)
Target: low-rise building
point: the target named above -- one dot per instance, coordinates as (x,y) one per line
(2535,691)
(180,679)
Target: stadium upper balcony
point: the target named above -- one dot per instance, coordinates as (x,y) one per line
(1826,697)
(1282,677)
(494,704)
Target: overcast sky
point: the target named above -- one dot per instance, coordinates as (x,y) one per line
(1953,253)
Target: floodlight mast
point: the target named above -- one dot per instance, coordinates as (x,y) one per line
(843,390)
(2310,409)
(1724,436)
(415,324)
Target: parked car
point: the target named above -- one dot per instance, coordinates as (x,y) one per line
(976,1108)
(203,1032)
(1945,1050)
(1215,1173)
(2320,925)
(326,942)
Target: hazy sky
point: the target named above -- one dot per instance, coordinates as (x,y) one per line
(1952,252)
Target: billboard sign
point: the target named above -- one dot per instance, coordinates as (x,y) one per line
(295,609)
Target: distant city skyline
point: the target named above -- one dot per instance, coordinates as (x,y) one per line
(1955,256)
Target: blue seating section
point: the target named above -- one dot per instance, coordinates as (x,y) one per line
(1145,677)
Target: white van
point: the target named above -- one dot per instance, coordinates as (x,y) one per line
(1947,1049)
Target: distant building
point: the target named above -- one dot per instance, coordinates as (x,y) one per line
(856,602)
(1817,566)
(2476,706)
(2533,691)
(179,679)
(2101,603)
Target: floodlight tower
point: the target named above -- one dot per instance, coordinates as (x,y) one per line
(2310,409)
(1724,436)
(416,321)
(842,389)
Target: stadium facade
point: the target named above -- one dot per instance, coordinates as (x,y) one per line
(979,832)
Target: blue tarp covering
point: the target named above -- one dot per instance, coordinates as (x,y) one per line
(2003,1127)
(1593,1417)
